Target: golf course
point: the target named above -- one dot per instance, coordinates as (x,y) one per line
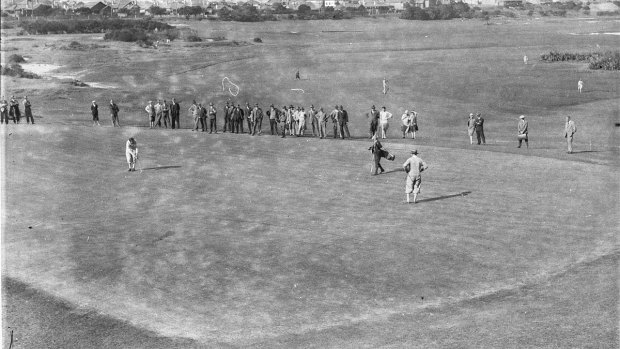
(238,241)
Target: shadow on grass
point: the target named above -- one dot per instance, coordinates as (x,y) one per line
(159,168)
(465,193)
(587,151)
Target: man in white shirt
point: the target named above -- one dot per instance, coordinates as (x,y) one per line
(414,167)
(384,116)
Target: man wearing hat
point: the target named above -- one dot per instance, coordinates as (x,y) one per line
(282,117)
(212,113)
(227,118)
(150,111)
(94,110)
(272,113)
(569,131)
(335,115)
(321,119)
(248,116)
(374,120)
(4,111)
(257,120)
(343,123)
(522,131)
(479,124)
(289,119)
(311,115)
(14,110)
(175,109)
(301,120)
(471,127)
(414,167)
(114,113)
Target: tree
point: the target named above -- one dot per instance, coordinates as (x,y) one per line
(303,10)
(157,11)
(83,11)
(191,11)
(278,8)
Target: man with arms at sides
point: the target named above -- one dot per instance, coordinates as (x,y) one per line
(569,131)
(522,131)
(28,110)
(343,123)
(94,111)
(212,114)
(311,115)
(131,153)
(414,167)
(114,113)
(150,111)
(479,124)
(374,120)
(175,110)
(165,111)
(321,118)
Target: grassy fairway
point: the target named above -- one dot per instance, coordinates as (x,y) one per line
(232,240)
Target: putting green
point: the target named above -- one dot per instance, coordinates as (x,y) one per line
(233,239)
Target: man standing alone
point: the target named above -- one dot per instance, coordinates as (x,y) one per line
(569,131)
(94,111)
(479,125)
(414,167)
(28,110)
(114,113)
(522,131)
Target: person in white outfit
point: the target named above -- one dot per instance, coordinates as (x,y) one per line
(580,85)
(384,116)
(131,153)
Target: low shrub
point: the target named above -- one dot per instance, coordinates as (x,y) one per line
(16,70)
(258,40)
(15,58)
(596,60)
(608,13)
(193,38)
(43,26)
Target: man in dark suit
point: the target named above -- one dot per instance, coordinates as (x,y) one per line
(14,110)
(248,115)
(94,110)
(212,112)
(114,113)
(374,120)
(343,121)
(479,124)
(227,117)
(175,109)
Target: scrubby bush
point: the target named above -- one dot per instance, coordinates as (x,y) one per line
(16,70)
(126,35)
(444,11)
(258,40)
(596,60)
(6,25)
(606,61)
(42,26)
(608,13)
(15,58)
(193,38)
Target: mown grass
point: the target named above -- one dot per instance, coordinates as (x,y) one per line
(240,240)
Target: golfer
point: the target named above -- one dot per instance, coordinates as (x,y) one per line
(569,131)
(131,153)
(384,116)
(414,167)
(579,85)
(522,131)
